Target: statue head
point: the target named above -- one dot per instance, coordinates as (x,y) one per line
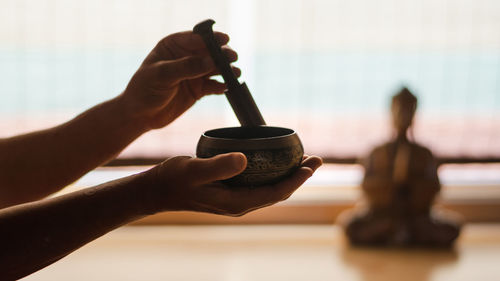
(403,107)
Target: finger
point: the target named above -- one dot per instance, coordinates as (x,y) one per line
(230,54)
(182,43)
(307,169)
(291,183)
(220,167)
(313,162)
(190,41)
(211,86)
(259,197)
(172,71)
(288,186)
(236,71)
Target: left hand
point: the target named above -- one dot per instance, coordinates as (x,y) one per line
(192,184)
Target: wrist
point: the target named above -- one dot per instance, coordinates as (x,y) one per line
(125,109)
(138,188)
(154,195)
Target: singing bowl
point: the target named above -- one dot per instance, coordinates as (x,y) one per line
(273,153)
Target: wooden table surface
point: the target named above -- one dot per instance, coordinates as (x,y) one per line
(271,252)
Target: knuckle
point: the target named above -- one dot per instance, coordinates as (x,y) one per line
(162,47)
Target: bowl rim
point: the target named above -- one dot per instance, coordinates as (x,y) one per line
(234,144)
(292,133)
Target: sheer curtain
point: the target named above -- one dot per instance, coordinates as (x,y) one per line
(325,68)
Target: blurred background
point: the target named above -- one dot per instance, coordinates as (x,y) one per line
(325,68)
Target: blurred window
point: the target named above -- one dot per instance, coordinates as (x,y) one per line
(325,68)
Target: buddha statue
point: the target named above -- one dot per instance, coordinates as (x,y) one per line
(399,188)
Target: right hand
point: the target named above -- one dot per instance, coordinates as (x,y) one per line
(174,75)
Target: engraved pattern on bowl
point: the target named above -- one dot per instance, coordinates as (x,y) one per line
(269,160)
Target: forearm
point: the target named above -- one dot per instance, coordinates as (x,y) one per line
(34,235)
(37,164)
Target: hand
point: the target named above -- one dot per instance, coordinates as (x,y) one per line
(174,75)
(185,183)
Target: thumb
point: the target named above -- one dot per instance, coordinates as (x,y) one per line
(220,167)
(190,67)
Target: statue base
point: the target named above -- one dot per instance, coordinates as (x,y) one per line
(436,229)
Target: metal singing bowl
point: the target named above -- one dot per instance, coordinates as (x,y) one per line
(272,153)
